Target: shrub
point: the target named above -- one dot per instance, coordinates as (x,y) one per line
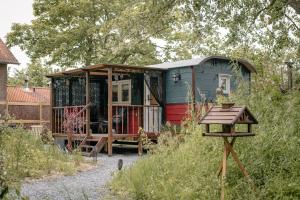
(26,155)
(187,170)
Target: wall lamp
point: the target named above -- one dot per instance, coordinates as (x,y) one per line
(176,77)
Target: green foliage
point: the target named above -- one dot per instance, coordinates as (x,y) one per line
(35,73)
(25,155)
(187,170)
(83,32)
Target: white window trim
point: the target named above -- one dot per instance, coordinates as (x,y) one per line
(227,77)
(119,84)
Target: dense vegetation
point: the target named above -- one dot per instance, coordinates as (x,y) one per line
(26,155)
(187,170)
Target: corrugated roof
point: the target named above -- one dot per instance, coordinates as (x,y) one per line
(233,115)
(6,57)
(197,61)
(32,95)
(180,63)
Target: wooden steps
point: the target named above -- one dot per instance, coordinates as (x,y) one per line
(89,148)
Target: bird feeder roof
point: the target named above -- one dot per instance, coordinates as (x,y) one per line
(230,116)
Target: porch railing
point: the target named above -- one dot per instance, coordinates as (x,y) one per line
(64,114)
(127,119)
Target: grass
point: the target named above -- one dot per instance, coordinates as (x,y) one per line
(24,155)
(186,168)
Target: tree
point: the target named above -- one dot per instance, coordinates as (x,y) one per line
(35,73)
(84,32)
(220,26)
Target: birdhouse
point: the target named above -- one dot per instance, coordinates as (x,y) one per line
(228,115)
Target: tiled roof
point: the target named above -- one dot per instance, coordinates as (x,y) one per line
(197,61)
(32,95)
(6,57)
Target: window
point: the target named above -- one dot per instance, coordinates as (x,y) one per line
(121,92)
(224,83)
(115,95)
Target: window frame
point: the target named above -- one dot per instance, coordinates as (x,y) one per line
(227,77)
(120,92)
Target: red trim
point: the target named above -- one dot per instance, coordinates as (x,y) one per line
(176,112)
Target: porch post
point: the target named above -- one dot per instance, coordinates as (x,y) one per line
(109,103)
(52,124)
(87,101)
(193,86)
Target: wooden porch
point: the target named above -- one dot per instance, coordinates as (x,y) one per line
(115,121)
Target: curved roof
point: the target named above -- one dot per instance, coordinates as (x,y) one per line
(6,57)
(200,60)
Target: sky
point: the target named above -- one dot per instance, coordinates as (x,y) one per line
(15,11)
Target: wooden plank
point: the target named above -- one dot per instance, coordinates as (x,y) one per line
(213,121)
(87,102)
(109,103)
(237,134)
(222,113)
(226,117)
(21,121)
(24,103)
(233,109)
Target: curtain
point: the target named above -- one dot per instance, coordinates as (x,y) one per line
(154,83)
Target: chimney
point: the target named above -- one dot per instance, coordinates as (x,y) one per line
(26,84)
(3,82)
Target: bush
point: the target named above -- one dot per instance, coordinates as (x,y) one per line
(25,155)
(188,170)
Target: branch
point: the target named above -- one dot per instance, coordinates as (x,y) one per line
(263,9)
(289,18)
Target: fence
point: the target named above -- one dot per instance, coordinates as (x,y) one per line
(25,113)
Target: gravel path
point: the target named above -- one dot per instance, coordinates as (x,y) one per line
(84,185)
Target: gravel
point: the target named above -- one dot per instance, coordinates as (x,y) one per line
(83,185)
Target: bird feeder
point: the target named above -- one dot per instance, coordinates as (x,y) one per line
(228,116)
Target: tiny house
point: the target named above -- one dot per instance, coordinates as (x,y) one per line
(110,102)
(203,77)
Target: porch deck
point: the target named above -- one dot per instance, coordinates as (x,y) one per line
(96,137)
(104,103)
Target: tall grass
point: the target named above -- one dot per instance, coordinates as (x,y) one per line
(25,155)
(187,169)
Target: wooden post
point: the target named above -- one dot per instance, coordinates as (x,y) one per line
(228,152)
(109,118)
(224,166)
(6,111)
(207,128)
(249,128)
(193,86)
(140,144)
(87,101)
(52,122)
(41,113)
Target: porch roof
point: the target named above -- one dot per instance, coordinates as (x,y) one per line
(101,69)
